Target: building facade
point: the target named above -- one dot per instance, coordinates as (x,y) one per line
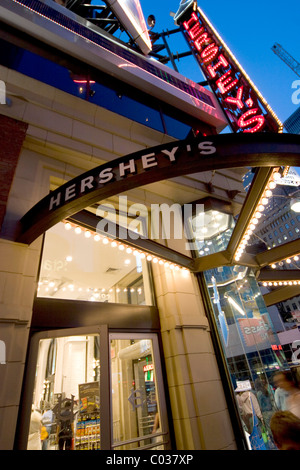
(292,124)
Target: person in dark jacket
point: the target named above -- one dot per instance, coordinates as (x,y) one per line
(65,434)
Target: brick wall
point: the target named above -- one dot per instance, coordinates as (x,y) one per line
(12,135)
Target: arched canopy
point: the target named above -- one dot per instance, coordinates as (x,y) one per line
(156,164)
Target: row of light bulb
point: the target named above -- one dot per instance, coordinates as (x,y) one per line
(280,283)
(122,247)
(95,292)
(264,200)
(287,260)
(283,283)
(94,295)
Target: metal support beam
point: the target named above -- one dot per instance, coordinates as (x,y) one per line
(278,253)
(279,275)
(90,221)
(280,295)
(257,188)
(211,261)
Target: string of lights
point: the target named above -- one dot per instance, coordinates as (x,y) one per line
(236,62)
(279,283)
(258,213)
(124,247)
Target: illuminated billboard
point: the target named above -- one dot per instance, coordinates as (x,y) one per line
(246,109)
(130,14)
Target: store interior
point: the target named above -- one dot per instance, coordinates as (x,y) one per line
(67,394)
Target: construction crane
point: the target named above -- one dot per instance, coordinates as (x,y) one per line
(287,58)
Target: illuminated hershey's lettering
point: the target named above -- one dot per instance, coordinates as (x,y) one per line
(97,178)
(235,93)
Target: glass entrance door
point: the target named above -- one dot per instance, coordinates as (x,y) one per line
(138,405)
(65,411)
(95,391)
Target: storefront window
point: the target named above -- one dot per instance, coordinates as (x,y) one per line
(101,91)
(286,320)
(77,265)
(135,404)
(250,345)
(66,402)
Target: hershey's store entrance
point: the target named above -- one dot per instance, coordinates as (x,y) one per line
(94,390)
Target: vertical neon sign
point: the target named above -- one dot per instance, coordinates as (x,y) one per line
(246,109)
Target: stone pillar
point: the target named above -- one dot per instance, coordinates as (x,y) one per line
(12,135)
(17,287)
(18,269)
(200,415)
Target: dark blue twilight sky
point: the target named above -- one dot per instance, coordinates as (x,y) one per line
(250,29)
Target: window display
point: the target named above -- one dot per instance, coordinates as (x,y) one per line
(88,419)
(251,348)
(66,402)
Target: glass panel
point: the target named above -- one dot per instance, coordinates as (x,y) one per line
(286,319)
(66,401)
(135,405)
(280,222)
(250,343)
(248,178)
(103,94)
(75,266)
(211,230)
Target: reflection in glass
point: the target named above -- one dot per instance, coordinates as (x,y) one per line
(286,319)
(66,401)
(280,223)
(99,91)
(211,227)
(250,344)
(136,413)
(78,266)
